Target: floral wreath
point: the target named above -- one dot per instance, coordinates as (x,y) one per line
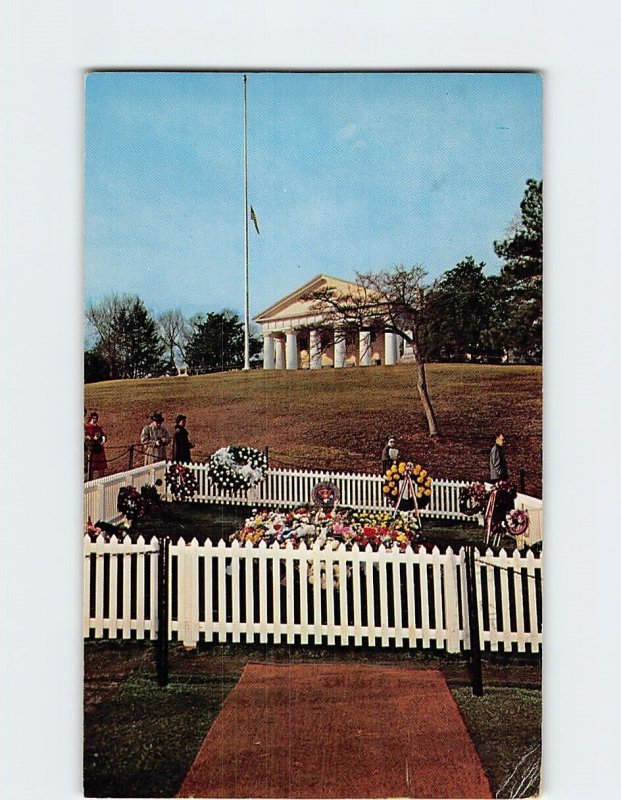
(473,499)
(130,503)
(421,479)
(517,521)
(181,482)
(233,468)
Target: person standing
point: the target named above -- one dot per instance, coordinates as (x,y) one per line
(94,438)
(181,441)
(390,454)
(155,439)
(497,462)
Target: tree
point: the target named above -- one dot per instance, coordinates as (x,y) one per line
(459,309)
(174,329)
(522,250)
(216,343)
(95,366)
(127,337)
(521,298)
(395,300)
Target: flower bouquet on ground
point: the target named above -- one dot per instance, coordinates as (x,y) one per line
(473,499)
(181,482)
(330,528)
(421,481)
(236,468)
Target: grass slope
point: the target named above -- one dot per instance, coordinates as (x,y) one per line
(339,419)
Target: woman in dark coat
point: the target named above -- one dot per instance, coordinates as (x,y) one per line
(182,443)
(390,454)
(95,438)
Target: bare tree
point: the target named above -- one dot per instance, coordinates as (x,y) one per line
(174,331)
(394,299)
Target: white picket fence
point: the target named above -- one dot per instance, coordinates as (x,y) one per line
(101,494)
(285,488)
(234,593)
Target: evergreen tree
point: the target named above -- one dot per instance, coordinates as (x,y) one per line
(459,309)
(520,299)
(216,343)
(127,337)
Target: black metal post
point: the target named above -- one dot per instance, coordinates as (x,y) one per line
(89,465)
(522,480)
(131,456)
(266,450)
(476,675)
(161,648)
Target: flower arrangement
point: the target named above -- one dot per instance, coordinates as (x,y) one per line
(421,480)
(134,504)
(233,468)
(517,522)
(473,499)
(130,503)
(181,482)
(330,529)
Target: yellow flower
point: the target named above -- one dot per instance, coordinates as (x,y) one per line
(394,492)
(419,479)
(402,467)
(428,492)
(386,489)
(428,482)
(423,473)
(391,484)
(388,473)
(416,469)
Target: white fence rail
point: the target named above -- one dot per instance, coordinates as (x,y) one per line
(288,488)
(284,488)
(101,494)
(252,593)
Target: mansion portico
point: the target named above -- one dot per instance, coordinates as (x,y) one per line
(296,337)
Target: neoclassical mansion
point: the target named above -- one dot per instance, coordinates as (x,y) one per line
(296,337)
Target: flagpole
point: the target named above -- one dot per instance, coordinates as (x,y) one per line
(246,291)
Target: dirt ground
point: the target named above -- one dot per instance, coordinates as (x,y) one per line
(333,419)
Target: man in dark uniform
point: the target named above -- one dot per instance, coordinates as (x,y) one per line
(497,462)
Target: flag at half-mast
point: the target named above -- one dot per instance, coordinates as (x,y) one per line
(253,217)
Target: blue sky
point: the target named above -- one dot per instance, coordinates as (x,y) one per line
(347,171)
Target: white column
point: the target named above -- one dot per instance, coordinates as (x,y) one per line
(315,350)
(389,348)
(279,350)
(268,351)
(291,350)
(397,346)
(365,348)
(340,348)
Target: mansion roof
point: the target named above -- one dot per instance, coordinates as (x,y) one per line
(294,305)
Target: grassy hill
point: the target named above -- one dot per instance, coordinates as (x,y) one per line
(339,419)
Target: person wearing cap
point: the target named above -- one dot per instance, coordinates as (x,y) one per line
(181,441)
(155,439)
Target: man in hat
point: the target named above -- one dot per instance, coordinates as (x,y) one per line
(155,439)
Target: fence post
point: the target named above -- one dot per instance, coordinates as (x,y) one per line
(522,480)
(131,456)
(161,648)
(451,602)
(473,619)
(89,465)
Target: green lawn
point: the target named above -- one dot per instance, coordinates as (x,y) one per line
(140,739)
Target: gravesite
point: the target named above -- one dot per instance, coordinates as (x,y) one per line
(313,516)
